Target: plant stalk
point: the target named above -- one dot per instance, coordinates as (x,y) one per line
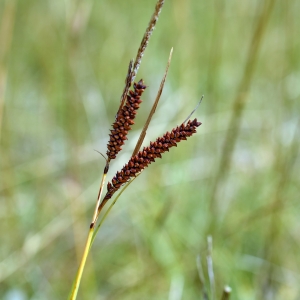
(76,283)
(95,216)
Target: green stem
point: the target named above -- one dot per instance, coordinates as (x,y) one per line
(110,207)
(108,211)
(89,242)
(76,283)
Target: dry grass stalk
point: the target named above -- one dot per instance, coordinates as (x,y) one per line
(153,109)
(133,70)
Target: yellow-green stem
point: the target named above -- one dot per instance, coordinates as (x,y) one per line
(110,207)
(95,216)
(76,283)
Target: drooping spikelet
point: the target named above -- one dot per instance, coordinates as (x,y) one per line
(146,156)
(124,120)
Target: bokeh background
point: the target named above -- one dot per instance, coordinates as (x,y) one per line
(62,71)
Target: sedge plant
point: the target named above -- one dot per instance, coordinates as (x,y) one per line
(141,158)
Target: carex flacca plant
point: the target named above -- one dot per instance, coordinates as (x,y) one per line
(141,157)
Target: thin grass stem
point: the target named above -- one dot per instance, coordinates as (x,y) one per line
(239,105)
(210,268)
(153,109)
(144,43)
(110,208)
(76,283)
(201,278)
(95,216)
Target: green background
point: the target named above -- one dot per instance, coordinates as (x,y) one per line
(62,71)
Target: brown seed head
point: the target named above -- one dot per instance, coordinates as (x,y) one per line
(146,156)
(124,120)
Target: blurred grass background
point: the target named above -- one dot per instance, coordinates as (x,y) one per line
(62,71)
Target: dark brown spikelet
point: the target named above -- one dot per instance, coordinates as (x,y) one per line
(148,155)
(124,120)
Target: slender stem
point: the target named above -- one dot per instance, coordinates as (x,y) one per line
(95,216)
(76,283)
(109,209)
(77,280)
(135,67)
(153,109)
